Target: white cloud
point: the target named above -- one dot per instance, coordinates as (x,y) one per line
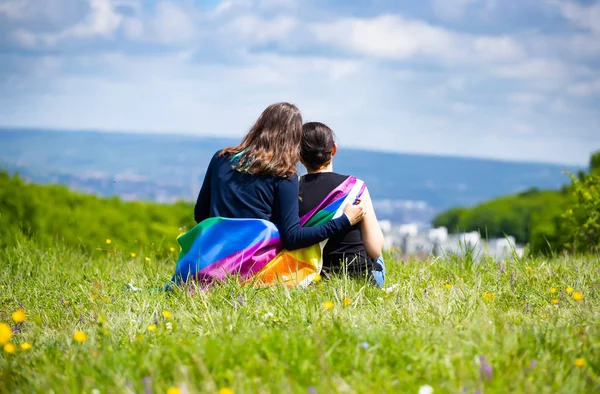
(523,128)
(532,68)
(101,21)
(25,38)
(255,30)
(587,17)
(502,48)
(14,9)
(393,37)
(526,98)
(585,89)
(171,24)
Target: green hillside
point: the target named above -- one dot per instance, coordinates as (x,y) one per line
(50,214)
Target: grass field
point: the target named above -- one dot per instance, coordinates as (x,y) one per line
(452,325)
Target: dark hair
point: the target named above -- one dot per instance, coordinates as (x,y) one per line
(272,146)
(317,145)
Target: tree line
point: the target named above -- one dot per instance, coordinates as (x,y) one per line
(546,220)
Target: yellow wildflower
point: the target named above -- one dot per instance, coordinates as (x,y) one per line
(172,249)
(108,241)
(555,301)
(132,254)
(18,316)
(226,390)
(529,269)
(173,390)
(577,296)
(448,286)
(26,346)
(489,296)
(347,301)
(106,299)
(167,314)
(553,290)
(5,333)
(80,336)
(147,259)
(569,290)
(152,327)
(328,305)
(317,278)
(10,348)
(580,362)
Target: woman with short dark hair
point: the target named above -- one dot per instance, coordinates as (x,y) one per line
(356,250)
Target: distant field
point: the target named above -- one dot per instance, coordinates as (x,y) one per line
(459,328)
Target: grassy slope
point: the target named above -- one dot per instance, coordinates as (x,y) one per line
(419,333)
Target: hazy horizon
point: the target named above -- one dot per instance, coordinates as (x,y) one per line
(582,164)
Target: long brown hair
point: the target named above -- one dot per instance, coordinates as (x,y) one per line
(272,146)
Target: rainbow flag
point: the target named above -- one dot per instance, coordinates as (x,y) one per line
(250,249)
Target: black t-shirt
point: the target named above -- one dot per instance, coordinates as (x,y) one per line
(346,247)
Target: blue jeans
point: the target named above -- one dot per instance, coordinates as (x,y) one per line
(379,276)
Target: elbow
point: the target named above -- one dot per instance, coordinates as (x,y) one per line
(291,240)
(375,246)
(289,244)
(375,252)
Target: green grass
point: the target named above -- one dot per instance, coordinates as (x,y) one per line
(279,340)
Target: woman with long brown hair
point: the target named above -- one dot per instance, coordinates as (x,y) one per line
(258,179)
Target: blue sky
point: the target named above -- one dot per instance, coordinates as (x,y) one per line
(516,80)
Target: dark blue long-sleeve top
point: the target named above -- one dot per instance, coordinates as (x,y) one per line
(229,193)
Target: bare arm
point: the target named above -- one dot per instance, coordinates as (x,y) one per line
(370,231)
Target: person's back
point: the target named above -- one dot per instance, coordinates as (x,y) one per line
(257,179)
(236,194)
(356,250)
(344,247)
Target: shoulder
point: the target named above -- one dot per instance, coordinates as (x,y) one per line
(287,183)
(218,154)
(340,177)
(287,179)
(216,157)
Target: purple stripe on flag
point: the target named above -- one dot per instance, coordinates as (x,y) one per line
(245,263)
(339,192)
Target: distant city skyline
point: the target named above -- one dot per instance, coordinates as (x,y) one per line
(494,79)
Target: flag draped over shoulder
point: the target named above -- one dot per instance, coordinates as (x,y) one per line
(251,248)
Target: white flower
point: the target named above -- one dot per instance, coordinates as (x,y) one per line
(169,326)
(380,298)
(391,288)
(267,316)
(131,287)
(426,389)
